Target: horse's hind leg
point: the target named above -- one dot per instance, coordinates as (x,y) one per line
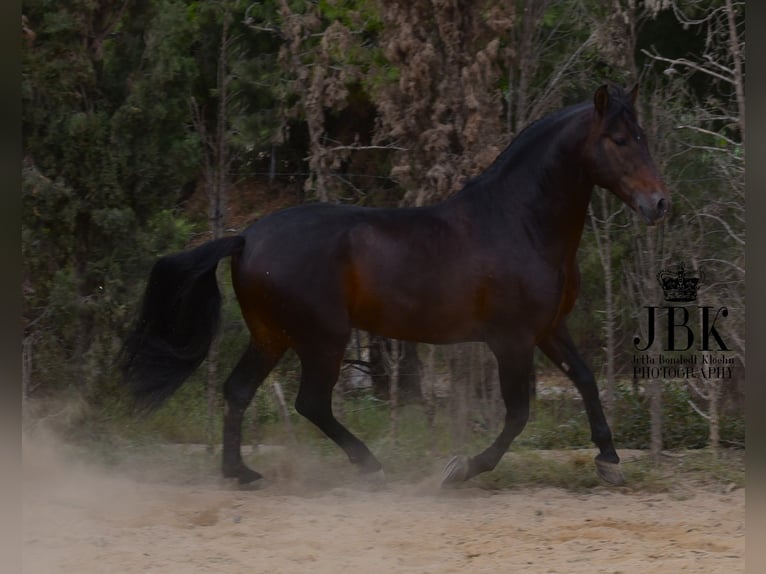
(320,366)
(238,390)
(514,366)
(560,348)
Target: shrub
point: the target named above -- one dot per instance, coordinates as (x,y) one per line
(682,426)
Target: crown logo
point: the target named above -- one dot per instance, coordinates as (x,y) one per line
(676,286)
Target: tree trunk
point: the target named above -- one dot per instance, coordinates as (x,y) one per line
(283,410)
(602,228)
(216,180)
(409,370)
(428,388)
(654,391)
(737,59)
(715,421)
(409,373)
(392,359)
(459,397)
(646,291)
(378,373)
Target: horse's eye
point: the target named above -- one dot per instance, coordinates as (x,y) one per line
(620,140)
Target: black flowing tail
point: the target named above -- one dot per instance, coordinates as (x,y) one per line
(178,321)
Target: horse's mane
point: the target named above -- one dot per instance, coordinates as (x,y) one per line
(527,140)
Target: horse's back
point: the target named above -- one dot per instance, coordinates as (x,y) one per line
(391,271)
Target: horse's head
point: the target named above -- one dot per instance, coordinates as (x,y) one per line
(618,156)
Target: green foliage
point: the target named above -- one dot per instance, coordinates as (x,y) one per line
(529,468)
(556,423)
(682,426)
(106,147)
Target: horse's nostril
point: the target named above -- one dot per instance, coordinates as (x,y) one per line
(662,206)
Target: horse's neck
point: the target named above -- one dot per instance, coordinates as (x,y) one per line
(543,194)
(560,207)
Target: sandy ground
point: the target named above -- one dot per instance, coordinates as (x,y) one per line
(84,519)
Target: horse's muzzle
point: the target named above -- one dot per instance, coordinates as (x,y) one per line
(655,208)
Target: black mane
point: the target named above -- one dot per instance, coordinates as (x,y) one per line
(528,139)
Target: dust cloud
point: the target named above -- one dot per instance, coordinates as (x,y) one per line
(158,514)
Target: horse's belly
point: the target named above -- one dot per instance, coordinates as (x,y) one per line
(427,315)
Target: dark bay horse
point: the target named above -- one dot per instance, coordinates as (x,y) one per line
(495,262)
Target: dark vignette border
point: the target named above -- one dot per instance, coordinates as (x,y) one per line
(10,301)
(755,288)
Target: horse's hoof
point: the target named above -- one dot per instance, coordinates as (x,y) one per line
(259,484)
(376,479)
(245,476)
(456,470)
(610,472)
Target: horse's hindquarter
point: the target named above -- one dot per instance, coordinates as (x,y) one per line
(289,277)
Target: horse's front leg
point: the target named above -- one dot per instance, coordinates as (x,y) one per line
(560,349)
(514,365)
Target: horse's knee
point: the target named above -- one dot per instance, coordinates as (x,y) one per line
(585,381)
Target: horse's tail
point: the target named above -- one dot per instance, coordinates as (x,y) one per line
(179,318)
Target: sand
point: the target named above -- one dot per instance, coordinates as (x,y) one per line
(84,518)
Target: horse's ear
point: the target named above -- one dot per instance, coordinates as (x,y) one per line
(633,95)
(601,99)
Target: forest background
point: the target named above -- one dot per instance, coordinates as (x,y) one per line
(150,126)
